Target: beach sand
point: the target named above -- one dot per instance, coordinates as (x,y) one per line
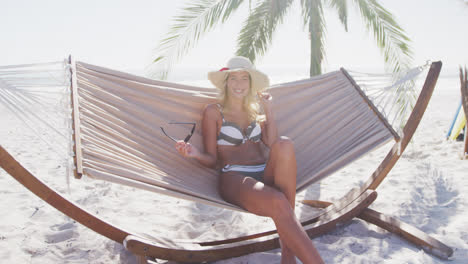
(427,188)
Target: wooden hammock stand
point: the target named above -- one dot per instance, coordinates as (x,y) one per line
(354,204)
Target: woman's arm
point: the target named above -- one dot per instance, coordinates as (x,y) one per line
(270,131)
(209,133)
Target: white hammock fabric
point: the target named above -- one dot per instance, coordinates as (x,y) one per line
(119,138)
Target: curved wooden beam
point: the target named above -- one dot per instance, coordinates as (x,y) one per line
(196,253)
(394,225)
(412,234)
(39,188)
(408,131)
(349,208)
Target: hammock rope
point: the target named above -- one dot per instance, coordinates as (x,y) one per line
(394,95)
(39,96)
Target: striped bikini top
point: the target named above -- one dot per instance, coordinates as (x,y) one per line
(231,134)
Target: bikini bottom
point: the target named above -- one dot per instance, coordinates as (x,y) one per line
(254,171)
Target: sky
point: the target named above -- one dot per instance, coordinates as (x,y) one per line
(124,35)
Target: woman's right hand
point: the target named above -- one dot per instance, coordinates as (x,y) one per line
(265,100)
(186,149)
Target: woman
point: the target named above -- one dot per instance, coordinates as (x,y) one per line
(232,131)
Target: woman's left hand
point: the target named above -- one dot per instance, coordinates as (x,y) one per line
(265,100)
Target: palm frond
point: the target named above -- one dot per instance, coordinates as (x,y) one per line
(390,37)
(257,32)
(394,44)
(342,9)
(196,19)
(312,13)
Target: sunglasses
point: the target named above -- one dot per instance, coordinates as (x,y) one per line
(187,138)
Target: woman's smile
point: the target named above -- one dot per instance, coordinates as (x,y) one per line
(239,90)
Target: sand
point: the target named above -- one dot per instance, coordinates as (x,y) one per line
(427,188)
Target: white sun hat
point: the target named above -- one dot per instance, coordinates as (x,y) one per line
(259,80)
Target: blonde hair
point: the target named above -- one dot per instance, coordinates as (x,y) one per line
(250,103)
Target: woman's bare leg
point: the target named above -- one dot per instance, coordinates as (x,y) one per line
(281,169)
(264,200)
(281,173)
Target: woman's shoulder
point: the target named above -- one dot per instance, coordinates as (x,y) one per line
(212,111)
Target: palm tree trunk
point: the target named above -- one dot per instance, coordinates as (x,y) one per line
(315,60)
(316,27)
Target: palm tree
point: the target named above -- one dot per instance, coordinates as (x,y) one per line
(200,16)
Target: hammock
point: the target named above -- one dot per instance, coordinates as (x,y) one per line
(328,117)
(116,120)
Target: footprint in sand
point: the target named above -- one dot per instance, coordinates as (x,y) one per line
(58,237)
(464,236)
(358,248)
(329,239)
(61,233)
(416,155)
